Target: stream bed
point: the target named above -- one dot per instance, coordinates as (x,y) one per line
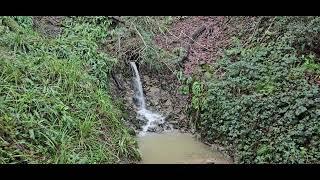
(169,146)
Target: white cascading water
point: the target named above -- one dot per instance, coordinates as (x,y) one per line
(138,87)
(143,113)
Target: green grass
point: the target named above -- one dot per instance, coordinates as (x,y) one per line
(54,102)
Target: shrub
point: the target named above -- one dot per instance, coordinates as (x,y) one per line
(260,106)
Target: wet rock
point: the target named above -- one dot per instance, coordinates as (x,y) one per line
(182,117)
(136,101)
(175,124)
(183,130)
(151,129)
(142,123)
(146,79)
(169,117)
(136,123)
(141,119)
(154,94)
(172,127)
(160,97)
(168,127)
(167,106)
(158,107)
(163,125)
(155,129)
(193,130)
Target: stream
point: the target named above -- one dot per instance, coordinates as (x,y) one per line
(177,148)
(170,146)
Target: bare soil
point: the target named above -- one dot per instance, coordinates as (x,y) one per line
(210,44)
(48,25)
(161,87)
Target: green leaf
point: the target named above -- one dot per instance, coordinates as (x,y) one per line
(300,110)
(31,133)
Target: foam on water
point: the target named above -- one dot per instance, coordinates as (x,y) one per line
(143,113)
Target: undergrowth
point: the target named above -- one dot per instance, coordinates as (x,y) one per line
(260,100)
(256,100)
(54,102)
(134,41)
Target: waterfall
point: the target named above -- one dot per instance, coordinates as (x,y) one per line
(138,87)
(143,113)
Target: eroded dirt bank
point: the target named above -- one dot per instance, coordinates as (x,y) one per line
(203,39)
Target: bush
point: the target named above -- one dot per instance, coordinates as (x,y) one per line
(260,106)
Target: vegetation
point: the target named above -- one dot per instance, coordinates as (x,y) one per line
(134,41)
(55,106)
(258,101)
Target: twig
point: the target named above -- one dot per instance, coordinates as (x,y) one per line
(267,29)
(196,34)
(191,41)
(162,32)
(196,42)
(178,37)
(254,31)
(118,84)
(119,46)
(145,44)
(190,38)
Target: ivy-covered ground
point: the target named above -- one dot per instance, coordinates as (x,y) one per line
(260,99)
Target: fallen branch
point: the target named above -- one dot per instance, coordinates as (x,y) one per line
(117,81)
(192,40)
(144,42)
(196,34)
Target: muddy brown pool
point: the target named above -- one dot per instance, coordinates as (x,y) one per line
(177,148)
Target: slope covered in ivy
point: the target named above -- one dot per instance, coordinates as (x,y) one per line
(261,99)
